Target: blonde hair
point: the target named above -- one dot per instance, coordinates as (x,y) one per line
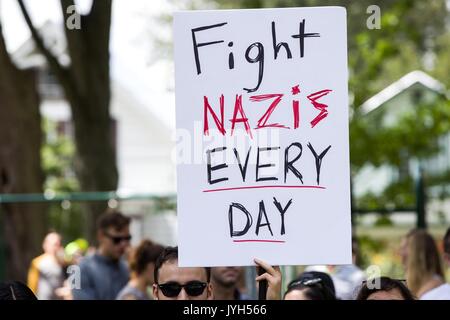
(423,260)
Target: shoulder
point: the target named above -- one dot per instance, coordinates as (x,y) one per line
(439,293)
(88,262)
(358,275)
(37,261)
(131,293)
(125,293)
(123,265)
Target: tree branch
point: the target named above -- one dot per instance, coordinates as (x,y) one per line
(52,60)
(101,8)
(65,4)
(76,49)
(4,56)
(99,19)
(63,74)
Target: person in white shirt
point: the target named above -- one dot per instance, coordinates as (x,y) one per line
(348,278)
(446,241)
(441,292)
(424,272)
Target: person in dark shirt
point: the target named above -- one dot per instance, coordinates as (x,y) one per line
(225,282)
(105,273)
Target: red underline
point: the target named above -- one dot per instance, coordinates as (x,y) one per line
(264,187)
(274,241)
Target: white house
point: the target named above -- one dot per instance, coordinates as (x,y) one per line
(144,122)
(397,99)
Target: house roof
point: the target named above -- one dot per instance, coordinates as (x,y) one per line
(399,86)
(27,55)
(123,75)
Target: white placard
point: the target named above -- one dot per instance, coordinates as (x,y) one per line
(262,137)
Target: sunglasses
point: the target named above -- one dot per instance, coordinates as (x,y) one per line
(117,239)
(173,289)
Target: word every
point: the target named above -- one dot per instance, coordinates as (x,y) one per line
(291,155)
(239,115)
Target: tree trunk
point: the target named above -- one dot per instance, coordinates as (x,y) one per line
(24,225)
(89,94)
(86,84)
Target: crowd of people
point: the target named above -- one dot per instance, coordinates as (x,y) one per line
(115,271)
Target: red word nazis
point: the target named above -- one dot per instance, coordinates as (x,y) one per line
(271,102)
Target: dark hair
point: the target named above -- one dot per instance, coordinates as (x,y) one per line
(146,252)
(15,290)
(310,275)
(170,254)
(113,219)
(316,285)
(447,241)
(386,284)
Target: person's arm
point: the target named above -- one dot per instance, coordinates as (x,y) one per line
(33,276)
(273,278)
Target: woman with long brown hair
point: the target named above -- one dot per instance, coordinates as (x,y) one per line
(142,264)
(424,272)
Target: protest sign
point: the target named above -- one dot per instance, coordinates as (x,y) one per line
(262,136)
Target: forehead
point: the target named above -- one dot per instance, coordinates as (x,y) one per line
(393,294)
(170,271)
(296,295)
(52,238)
(114,231)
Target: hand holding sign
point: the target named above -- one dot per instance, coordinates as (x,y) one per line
(273,278)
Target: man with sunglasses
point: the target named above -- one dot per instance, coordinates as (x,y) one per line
(105,273)
(175,283)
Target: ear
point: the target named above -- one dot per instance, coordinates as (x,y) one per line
(155,291)
(150,270)
(210,295)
